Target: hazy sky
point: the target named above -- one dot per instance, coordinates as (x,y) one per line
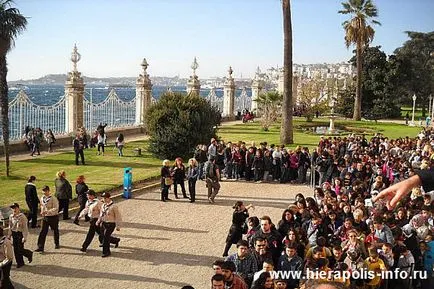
(114,35)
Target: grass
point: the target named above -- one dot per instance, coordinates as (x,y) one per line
(102,172)
(417,112)
(106,172)
(253,132)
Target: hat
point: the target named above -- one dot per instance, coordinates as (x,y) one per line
(105,195)
(45,188)
(237,204)
(14,205)
(91,192)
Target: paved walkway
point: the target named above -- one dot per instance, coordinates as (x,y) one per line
(163,245)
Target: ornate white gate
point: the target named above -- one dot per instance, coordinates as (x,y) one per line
(113,111)
(23,112)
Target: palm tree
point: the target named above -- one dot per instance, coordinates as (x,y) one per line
(12,23)
(269,105)
(286,133)
(359,32)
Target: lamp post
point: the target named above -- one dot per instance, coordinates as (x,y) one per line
(432,108)
(429,106)
(414,104)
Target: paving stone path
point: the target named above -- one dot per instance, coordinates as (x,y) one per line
(163,245)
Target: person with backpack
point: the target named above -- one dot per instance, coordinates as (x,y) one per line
(212,176)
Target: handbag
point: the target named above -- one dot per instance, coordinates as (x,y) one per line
(168,181)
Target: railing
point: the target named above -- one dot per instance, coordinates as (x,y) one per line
(113,111)
(24,112)
(215,100)
(242,102)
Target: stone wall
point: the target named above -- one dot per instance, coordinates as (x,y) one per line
(64,141)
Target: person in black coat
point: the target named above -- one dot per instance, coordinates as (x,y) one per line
(80,189)
(239,225)
(192,174)
(179,174)
(166,180)
(32,201)
(78,144)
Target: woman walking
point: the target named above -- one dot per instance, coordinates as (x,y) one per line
(49,212)
(63,193)
(80,189)
(179,177)
(192,174)
(6,258)
(239,225)
(120,143)
(32,200)
(101,142)
(18,230)
(49,137)
(110,218)
(166,180)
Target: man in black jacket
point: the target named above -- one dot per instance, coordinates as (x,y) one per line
(273,237)
(32,201)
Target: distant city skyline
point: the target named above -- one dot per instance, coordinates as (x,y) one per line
(114,36)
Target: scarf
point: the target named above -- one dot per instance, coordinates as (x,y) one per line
(90,203)
(105,209)
(16,219)
(46,200)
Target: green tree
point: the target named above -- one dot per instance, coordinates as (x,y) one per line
(12,23)
(286,128)
(313,97)
(269,105)
(177,123)
(416,67)
(379,85)
(359,32)
(345,101)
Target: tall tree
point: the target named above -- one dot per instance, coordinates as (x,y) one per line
(416,67)
(12,23)
(358,31)
(286,130)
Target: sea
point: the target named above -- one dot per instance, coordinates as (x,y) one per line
(50,94)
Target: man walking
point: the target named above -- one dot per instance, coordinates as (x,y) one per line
(212,176)
(18,230)
(49,212)
(32,200)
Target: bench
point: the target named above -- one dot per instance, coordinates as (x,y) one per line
(137,152)
(5,212)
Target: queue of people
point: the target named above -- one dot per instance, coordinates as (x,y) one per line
(372,211)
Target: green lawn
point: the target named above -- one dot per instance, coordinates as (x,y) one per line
(101,172)
(252,131)
(106,172)
(417,112)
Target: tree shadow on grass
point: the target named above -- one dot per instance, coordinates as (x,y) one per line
(62,272)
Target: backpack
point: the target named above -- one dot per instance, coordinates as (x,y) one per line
(211,171)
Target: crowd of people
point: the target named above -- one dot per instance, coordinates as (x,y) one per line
(102,214)
(372,210)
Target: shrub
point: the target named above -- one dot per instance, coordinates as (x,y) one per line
(177,123)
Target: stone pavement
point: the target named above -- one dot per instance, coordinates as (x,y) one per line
(163,245)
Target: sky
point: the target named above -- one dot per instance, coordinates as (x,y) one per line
(113,36)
